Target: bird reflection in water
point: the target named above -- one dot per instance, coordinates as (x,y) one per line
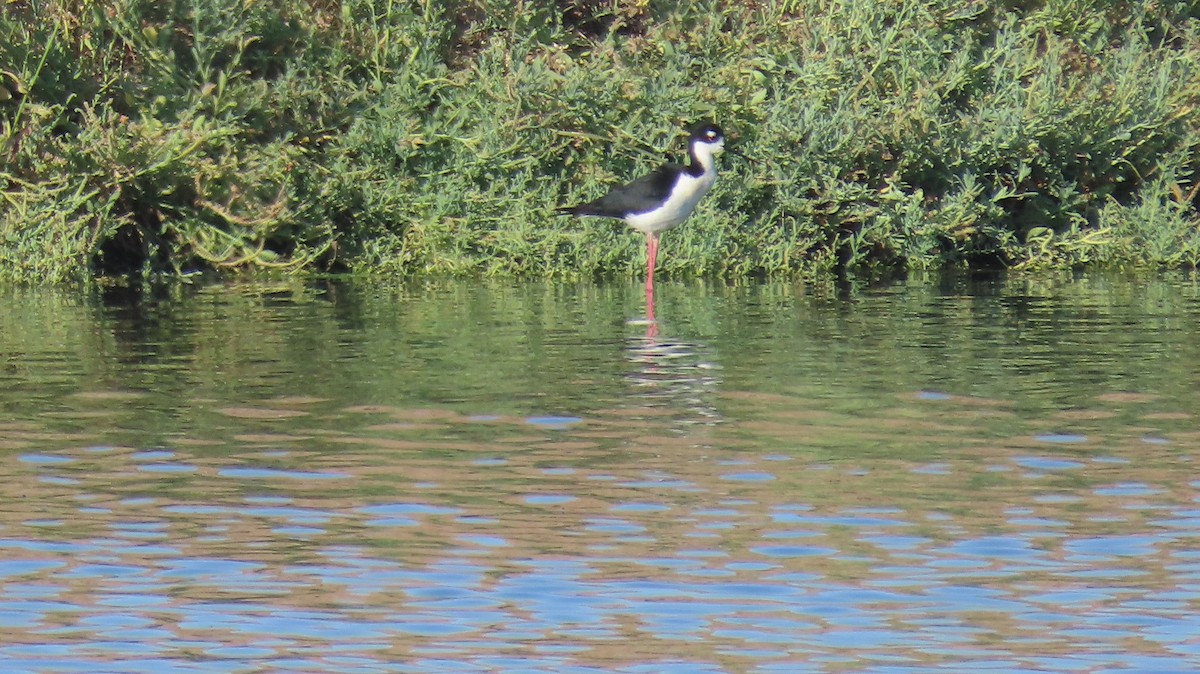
(675,374)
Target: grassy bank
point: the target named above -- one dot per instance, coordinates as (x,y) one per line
(421,137)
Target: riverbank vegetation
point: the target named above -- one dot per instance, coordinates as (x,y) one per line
(380,136)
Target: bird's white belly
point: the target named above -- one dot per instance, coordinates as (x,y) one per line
(683,200)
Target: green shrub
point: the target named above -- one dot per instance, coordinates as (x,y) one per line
(426,137)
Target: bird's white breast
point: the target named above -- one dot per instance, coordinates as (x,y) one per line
(683,200)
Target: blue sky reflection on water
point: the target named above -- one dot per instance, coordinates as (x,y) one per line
(476,478)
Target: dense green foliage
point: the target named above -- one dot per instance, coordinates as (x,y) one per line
(416,137)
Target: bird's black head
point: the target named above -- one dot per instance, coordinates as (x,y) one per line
(712,138)
(707,132)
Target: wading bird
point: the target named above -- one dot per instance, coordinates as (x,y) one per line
(661,200)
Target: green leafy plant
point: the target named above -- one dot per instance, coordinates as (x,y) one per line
(386,137)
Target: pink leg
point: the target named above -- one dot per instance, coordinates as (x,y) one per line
(652,324)
(651,259)
(650,304)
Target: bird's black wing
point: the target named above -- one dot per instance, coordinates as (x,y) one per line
(641,195)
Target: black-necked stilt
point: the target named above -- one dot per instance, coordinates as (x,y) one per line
(661,200)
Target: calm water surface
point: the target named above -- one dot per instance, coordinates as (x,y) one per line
(932,476)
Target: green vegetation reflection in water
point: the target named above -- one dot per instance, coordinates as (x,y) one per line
(484,349)
(436,137)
